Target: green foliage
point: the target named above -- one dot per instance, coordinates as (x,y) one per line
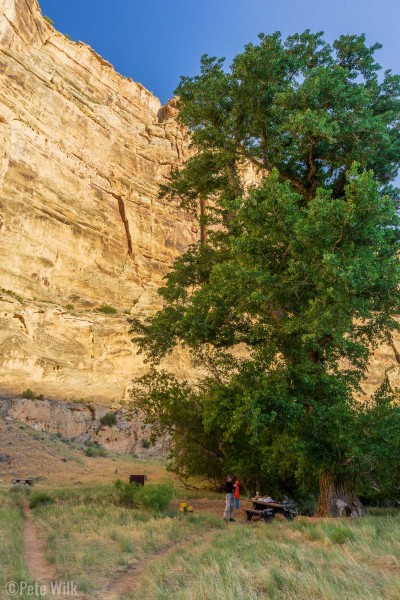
(40,498)
(294,105)
(376,444)
(301,273)
(109,419)
(69,307)
(13,294)
(30,395)
(48,20)
(146,443)
(155,497)
(94,450)
(107,310)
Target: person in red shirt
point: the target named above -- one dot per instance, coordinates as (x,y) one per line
(236,493)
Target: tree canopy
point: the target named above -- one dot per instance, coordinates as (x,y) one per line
(294,280)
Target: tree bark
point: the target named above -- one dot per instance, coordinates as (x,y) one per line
(337,499)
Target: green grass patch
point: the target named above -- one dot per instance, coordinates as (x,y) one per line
(155,497)
(12,564)
(39,498)
(107,309)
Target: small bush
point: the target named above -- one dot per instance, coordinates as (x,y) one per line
(108,310)
(156,497)
(48,20)
(70,307)
(94,449)
(40,498)
(29,394)
(146,443)
(20,488)
(341,535)
(109,419)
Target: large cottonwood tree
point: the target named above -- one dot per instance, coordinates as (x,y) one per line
(299,270)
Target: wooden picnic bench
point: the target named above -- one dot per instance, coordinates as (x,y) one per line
(139,479)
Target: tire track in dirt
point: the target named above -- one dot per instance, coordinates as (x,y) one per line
(38,567)
(129,580)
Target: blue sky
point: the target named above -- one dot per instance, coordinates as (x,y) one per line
(154,42)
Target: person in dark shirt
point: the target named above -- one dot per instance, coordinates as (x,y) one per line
(230,504)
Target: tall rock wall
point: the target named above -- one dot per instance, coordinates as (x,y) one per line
(82,153)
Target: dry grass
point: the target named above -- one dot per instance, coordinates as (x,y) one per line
(88,537)
(303,560)
(12,564)
(91,540)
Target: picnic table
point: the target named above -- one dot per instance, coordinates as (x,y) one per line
(139,479)
(267,509)
(23,481)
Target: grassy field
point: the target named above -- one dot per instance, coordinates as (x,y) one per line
(12,564)
(98,544)
(299,560)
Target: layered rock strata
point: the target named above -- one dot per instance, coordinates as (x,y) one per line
(82,422)
(83,151)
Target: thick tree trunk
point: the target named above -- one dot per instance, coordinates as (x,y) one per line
(337,499)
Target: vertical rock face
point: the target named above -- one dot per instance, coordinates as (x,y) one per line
(82,153)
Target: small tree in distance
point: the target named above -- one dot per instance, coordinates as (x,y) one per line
(300,271)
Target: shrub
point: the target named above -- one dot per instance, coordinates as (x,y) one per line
(28,394)
(70,307)
(40,498)
(146,443)
(48,20)
(109,419)
(156,497)
(108,310)
(94,449)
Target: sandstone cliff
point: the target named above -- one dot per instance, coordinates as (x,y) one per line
(83,422)
(82,153)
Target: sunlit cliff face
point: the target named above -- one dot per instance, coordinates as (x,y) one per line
(82,154)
